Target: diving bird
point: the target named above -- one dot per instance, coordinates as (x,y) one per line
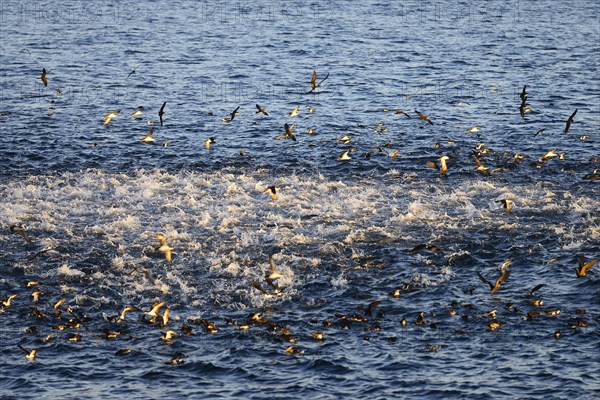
(505,204)
(584,266)
(110,116)
(261,110)
(161,112)
(148,138)
(424,117)
(208,142)
(570,121)
(442,168)
(29,354)
(272,191)
(163,246)
(43,77)
(495,286)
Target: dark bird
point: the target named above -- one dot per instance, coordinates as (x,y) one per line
(505,204)
(495,286)
(523,95)
(313,82)
(536,288)
(234,113)
(570,121)
(132,72)
(424,117)
(584,266)
(261,110)
(423,246)
(539,131)
(43,77)
(161,112)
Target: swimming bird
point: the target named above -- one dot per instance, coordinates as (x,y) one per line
(29,354)
(272,191)
(161,112)
(110,116)
(138,111)
(345,156)
(148,138)
(424,117)
(177,359)
(261,110)
(273,274)
(208,142)
(294,112)
(318,335)
(442,168)
(570,121)
(43,77)
(163,246)
(584,266)
(505,204)
(495,286)
(421,318)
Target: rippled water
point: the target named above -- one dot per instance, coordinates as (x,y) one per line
(340,232)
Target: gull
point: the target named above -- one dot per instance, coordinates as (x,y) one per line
(505,204)
(110,116)
(208,142)
(163,246)
(161,112)
(43,77)
(442,168)
(313,82)
(138,111)
(584,266)
(424,117)
(345,156)
(148,138)
(272,191)
(29,354)
(273,275)
(495,286)
(261,110)
(570,121)
(294,112)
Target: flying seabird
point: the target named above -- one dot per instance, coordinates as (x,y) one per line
(163,246)
(570,121)
(272,191)
(110,116)
(294,112)
(261,110)
(505,204)
(148,138)
(43,77)
(29,354)
(424,117)
(273,274)
(161,112)
(345,156)
(208,142)
(584,266)
(495,286)
(289,133)
(313,82)
(132,72)
(138,111)
(442,168)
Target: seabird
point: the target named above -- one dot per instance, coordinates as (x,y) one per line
(6,303)
(539,131)
(422,246)
(163,246)
(148,138)
(289,133)
(21,232)
(132,72)
(153,313)
(43,77)
(273,274)
(110,116)
(294,112)
(474,129)
(570,121)
(261,110)
(138,111)
(124,312)
(161,112)
(495,286)
(584,266)
(505,204)
(442,168)
(208,142)
(272,191)
(523,95)
(345,156)
(29,354)
(313,82)
(424,117)
(168,335)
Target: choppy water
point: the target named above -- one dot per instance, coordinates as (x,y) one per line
(340,231)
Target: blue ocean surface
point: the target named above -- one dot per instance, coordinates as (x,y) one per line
(295,272)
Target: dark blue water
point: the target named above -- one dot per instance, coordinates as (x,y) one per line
(340,232)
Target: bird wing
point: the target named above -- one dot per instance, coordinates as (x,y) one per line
(485,280)
(502,278)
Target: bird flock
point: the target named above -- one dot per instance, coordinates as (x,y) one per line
(63,316)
